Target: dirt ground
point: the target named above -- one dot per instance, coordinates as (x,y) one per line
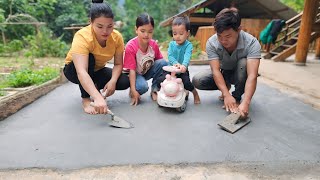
(237,171)
(301,82)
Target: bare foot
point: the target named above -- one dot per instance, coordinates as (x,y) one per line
(154,96)
(87,107)
(196,97)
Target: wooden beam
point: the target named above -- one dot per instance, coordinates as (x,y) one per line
(201,20)
(280,10)
(187,12)
(285,54)
(307,21)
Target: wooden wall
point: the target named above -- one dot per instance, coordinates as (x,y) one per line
(252,26)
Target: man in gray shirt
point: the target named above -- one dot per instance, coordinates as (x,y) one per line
(234,58)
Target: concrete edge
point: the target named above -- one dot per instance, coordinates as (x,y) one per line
(13,103)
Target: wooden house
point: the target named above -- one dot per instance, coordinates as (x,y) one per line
(255,14)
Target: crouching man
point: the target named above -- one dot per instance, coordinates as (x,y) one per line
(234,57)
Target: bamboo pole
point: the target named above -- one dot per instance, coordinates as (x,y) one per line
(307,20)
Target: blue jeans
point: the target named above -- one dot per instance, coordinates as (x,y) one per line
(154,72)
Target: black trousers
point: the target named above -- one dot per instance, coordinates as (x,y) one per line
(238,76)
(100,78)
(185,77)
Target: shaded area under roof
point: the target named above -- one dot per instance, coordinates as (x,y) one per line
(254,9)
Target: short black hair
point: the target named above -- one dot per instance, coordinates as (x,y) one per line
(182,21)
(99,9)
(144,19)
(226,19)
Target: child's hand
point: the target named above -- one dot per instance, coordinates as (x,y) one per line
(135,97)
(183,68)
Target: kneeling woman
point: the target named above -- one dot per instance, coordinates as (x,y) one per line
(92,47)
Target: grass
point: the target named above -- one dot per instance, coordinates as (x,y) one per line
(8,64)
(25,72)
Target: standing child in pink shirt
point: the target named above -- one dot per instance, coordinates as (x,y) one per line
(143,59)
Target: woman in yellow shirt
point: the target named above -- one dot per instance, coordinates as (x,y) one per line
(92,47)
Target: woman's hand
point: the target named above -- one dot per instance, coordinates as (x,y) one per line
(109,88)
(100,105)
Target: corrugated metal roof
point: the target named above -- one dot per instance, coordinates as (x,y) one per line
(256,9)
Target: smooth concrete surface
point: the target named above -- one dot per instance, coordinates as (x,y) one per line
(53,132)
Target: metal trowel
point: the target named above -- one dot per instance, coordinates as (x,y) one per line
(117,121)
(233,122)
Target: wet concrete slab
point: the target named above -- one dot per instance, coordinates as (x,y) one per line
(53,132)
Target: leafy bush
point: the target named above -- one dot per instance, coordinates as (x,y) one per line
(11,47)
(196,48)
(2,93)
(44,44)
(27,77)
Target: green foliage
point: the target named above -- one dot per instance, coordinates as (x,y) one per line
(44,45)
(294,4)
(67,13)
(57,14)
(2,18)
(11,47)
(196,48)
(27,77)
(2,93)
(160,11)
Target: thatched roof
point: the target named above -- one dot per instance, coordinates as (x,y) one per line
(254,9)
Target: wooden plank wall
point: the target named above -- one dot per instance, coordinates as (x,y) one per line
(252,26)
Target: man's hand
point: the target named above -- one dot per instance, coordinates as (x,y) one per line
(243,109)
(135,97)
(230,104)
(110,87)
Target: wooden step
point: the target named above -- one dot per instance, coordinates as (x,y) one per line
(286,45)
(274,53)
(284,54)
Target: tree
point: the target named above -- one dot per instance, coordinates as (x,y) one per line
(159,10)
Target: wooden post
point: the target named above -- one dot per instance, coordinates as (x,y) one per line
(317,48)
(307,20)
